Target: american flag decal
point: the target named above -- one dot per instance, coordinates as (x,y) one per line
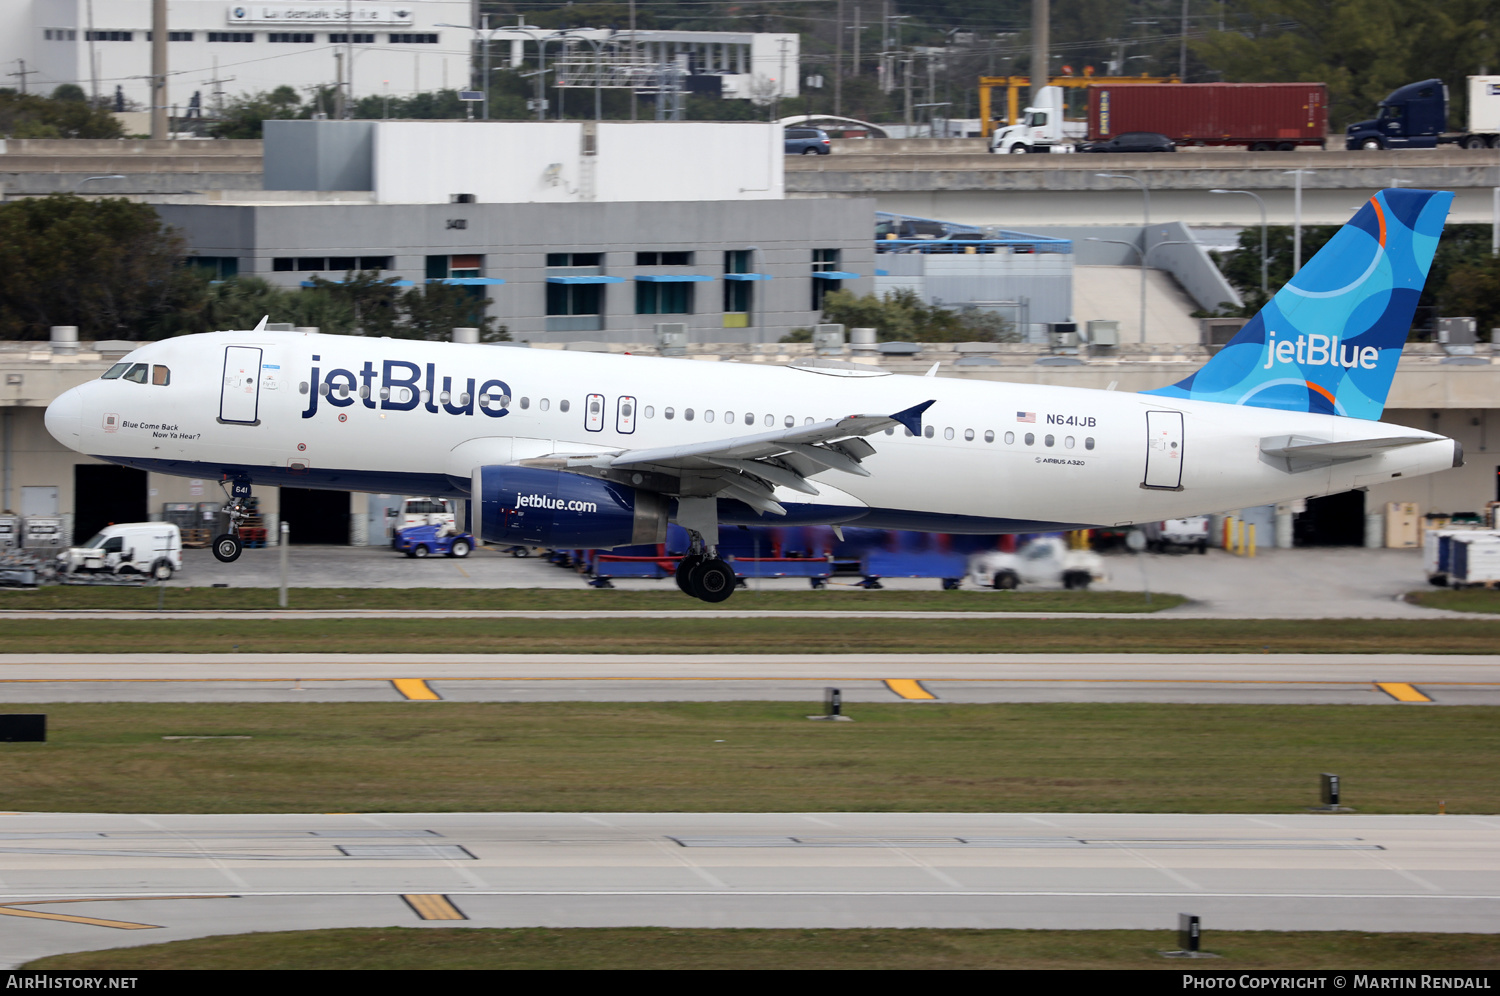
(1025,416)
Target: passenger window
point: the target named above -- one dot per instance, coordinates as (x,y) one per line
(323,389)
(687,413)
(729,418)
(909,432)
(708,414)
(525,403)
(667,413)
(137,373)
(595,408)
(948,433)
(789,421)
(463,399)
(928,432)
(444,397)
(1049,440)
(544,404)
(1088,442)
(302,387)
(115,371)
(1068,442)
(650,412)
(161,376)
(807,421)
(364,392)
(890,430)
(770,421)
(563,405)
(1030,438)
(969,435)
(1010,438)
(749,419)
(385,394)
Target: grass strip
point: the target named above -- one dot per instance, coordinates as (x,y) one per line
(749,757)
(750,636)
(1464,600)
(395,948)
(591,600)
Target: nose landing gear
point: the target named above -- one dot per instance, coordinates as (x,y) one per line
(227,546)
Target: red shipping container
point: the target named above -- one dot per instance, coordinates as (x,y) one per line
(1260,115)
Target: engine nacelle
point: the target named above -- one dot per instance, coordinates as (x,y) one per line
(531,506)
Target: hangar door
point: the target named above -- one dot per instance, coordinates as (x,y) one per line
(316,516)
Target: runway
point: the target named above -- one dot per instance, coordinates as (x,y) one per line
(1282,679)
(79,882)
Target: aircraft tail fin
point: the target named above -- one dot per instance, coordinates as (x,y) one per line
(1329,340)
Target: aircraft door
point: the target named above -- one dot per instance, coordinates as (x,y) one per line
(1163,451)
(625,416)
(239,395)
(593,419)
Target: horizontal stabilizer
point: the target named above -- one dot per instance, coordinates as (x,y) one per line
(1299,453)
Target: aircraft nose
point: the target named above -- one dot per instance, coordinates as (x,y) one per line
(65,418)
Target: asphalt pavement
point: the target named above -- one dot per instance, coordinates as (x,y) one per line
(80,882)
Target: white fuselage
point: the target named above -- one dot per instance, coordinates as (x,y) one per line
(1094,457)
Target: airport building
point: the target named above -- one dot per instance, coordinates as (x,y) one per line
(219,50)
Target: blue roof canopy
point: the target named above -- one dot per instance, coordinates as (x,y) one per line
(592,279)
(747,276)
(672,278)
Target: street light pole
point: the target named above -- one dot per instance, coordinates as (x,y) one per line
(1263,261)
(1143,257)
(1297,219)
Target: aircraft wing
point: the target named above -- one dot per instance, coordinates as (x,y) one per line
(748,468)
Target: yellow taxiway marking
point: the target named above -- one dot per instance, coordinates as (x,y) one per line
(416,688)
(91,921)
(908,688)
(433,907)
(1401,691)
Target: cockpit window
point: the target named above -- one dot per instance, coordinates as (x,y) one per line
(161,376)
(137,373)
(115,371)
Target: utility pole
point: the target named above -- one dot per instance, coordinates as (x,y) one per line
(1182,48)
(347,110)
(23,73)
(338,85)
(1041,42)
(857,29)
(93,65)
(158,69)
(838,60)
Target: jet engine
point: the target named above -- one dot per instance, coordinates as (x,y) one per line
(538,507)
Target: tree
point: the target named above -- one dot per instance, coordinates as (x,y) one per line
(243,115)
(434,311)
(901,316)
(59,116)
(108,266)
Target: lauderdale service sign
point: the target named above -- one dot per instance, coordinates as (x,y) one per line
(318,14)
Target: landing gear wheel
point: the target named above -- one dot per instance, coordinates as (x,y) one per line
(685,568)
(161,571)
(460,549)
(227,548)
(712,581)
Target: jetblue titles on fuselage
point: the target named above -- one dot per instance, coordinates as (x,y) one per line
(402,386)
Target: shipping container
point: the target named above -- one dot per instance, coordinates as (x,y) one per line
(1263,116)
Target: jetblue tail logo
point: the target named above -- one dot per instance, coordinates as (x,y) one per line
(1329,341)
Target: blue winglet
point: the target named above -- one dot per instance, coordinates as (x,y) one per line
(912,417)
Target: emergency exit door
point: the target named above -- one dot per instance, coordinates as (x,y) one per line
(239,396)
(1163,451)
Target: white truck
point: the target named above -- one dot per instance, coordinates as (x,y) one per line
(150,548)
(1042,128)
(1045,560)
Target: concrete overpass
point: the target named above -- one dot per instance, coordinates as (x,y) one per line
(956,180)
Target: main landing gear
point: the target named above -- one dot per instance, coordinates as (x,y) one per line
(702,573)
(227,546)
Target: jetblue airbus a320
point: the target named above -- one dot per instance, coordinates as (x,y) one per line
(588,450)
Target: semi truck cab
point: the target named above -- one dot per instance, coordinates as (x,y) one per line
(1414,116)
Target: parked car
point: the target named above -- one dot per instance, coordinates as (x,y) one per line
(807,142)
(1131,141)
(424,541)
(1190,533)
(152,548)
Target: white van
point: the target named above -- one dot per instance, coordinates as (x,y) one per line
(153,548)
(425,512)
